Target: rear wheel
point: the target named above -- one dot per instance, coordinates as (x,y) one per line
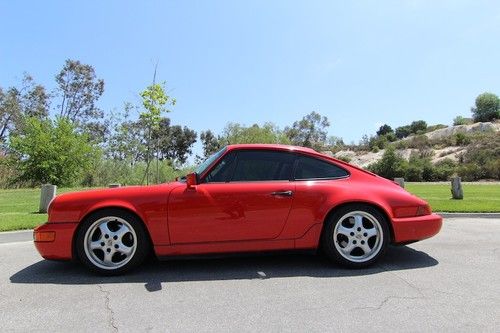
(111,242)
(355,236)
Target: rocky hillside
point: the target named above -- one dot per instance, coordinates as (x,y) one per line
(444,143)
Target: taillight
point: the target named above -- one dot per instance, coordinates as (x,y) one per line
(423,210)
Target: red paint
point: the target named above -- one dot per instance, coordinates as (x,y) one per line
(241,216)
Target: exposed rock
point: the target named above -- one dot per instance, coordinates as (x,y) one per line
(365,158)
(449,131)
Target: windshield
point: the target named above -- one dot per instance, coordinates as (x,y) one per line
(203,166)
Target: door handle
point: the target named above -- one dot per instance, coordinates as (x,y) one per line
(283,193)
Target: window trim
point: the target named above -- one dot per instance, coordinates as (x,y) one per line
(212,167)
(295,161)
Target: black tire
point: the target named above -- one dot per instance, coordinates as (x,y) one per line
(126,233)
(335,244)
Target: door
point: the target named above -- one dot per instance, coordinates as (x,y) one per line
(246,196)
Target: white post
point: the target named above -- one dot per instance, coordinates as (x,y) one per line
(400,181)
(48,193)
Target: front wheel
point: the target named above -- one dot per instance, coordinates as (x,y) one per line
(355,236)
(111,242)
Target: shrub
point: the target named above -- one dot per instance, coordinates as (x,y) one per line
(51,152)
(487,107)
(390,165)
(459,120)
(461,139)
(344,158)
(419,142)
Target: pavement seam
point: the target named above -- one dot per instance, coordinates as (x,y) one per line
(107,305)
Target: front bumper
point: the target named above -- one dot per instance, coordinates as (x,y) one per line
(60,248)
(410,229)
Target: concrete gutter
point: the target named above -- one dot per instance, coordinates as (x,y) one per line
(471,215)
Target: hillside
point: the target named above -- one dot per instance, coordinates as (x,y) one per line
(455,145)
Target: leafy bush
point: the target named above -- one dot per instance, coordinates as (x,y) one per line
(418,126)
(51,152)
(461,139)
(403,131)
(459,120)
(105,172)
(391,164)
(344,158)
(487,107)
(444,169)
(419,142)
(378,142)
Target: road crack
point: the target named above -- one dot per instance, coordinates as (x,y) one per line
(111,313)
(385,301)
(408,283)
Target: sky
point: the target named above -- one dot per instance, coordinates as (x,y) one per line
(360,63)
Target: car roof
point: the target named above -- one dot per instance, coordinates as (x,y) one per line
(271,147)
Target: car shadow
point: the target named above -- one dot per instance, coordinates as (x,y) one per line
(154,273)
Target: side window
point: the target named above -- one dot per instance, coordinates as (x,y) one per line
(263,165)
(222,171)
(312,168)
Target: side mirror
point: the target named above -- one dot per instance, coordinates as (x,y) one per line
(191,180)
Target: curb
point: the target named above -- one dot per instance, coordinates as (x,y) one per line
(16,236)
(471,215)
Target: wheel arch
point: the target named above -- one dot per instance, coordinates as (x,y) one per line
(100,208)
(376,206)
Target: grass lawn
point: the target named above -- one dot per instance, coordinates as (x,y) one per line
(477,197)
(18,208)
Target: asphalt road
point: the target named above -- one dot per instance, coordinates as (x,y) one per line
(448,283)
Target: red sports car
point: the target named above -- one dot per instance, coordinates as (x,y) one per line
(243,198)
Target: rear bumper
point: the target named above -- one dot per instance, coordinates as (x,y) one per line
(410,229)
(61,247)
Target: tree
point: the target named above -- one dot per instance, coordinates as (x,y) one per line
(155,102)
(210,143)
(127,141)
(51,152)
(384,129)
(418,126)
(487,107)
(175,141)
(403,131)
(235,133)
(79,89)
(29,100)
(310,131)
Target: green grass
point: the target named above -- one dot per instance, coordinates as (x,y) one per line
(18,208)
(477,197)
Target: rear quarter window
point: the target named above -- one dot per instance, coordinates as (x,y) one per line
(308,168)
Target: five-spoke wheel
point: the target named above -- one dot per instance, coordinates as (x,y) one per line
(111,242)
(355,235)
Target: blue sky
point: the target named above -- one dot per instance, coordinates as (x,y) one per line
(360,63)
